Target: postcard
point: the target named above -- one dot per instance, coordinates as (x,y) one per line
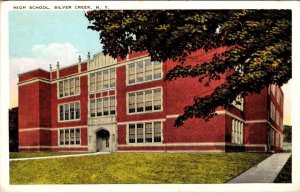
(143,96)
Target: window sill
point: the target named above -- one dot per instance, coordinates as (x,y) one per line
(137,83)
(147,112)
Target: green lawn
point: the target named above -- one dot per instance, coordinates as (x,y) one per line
(135,168)
(37,154)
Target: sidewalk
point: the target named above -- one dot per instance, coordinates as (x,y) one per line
(264,172)
(58,156)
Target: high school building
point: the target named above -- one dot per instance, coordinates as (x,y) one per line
(118,105)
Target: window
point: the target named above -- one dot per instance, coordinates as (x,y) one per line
(77,85)
(148,70)
(237,131)
(148,132)
(99,81)
(272,107)
(103,106)
(239,102)
(157,99)
(92,82)
(69,137)
(143,101)
(99,107)
(131,103)
(132,133)
(157,69)
(271,136)
(68,87)
(148,100)
(61,89)
(61,113)
(72,86)
(92,108)
(277,141)
(140,71)
(112,105)
(157,131)
(112,77)
(103,80)
(140,132)
(72,111)
(69,111)
(143,71)
(140,101)
(131,73)
(277,118)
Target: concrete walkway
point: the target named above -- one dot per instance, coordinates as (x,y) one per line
(264,172)
(58,156)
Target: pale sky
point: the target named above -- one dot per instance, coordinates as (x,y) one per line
(40,38)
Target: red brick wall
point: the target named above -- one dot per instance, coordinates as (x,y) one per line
(255,106)
(195,131)
(255,133)
(68,71)
(29,105)
(84,67)
(45,104)
(29,138)
(39,73)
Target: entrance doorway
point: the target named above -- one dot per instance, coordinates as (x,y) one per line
(103,140)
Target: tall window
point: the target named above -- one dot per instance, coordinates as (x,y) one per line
(103,106)
(61,89)
(272,107)
(92,82)
(144,101)
(143,71)
(147,132)
(103,80)
(92,108)
(277,118)
(237,131)
(70,111)
(68,87)
(69,137)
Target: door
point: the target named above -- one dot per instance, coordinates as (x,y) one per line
(103,140)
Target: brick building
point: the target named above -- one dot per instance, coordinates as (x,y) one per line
(104,104)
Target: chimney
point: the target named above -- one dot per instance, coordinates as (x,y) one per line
(79,64)
(57,70)
(50,66)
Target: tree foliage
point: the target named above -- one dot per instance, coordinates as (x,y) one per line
(257,42)
(287,132)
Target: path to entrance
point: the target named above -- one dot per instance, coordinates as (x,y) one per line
(264,172)
(58,156)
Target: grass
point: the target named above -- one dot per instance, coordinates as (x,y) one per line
(37,154)
(135,168)
(285,176)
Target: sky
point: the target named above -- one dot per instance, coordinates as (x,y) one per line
(40,38)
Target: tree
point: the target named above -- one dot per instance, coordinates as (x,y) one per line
(13,130)
(257,42)
(287,132)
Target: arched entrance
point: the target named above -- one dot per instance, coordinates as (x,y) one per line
(103,141)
